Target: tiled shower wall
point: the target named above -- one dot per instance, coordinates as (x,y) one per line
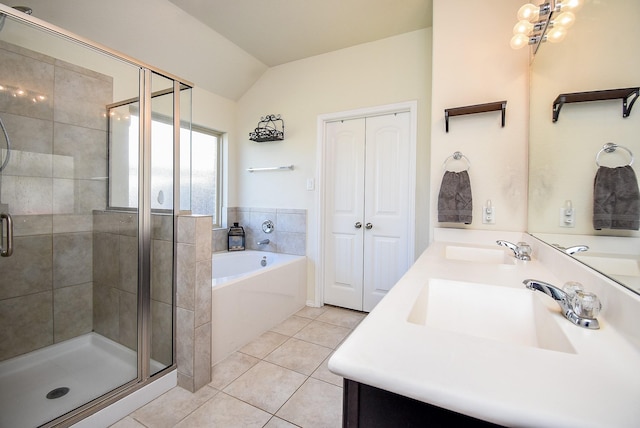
(289,235)
(51,186)
(115,279)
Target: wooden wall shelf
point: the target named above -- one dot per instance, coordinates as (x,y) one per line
(628,96)
(478,108)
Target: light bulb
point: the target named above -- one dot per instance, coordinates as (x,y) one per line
(565,19)
(556,35)
(528,12)
(572,5)
(518,41)
(523,27)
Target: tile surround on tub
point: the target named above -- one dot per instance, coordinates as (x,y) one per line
(289,235)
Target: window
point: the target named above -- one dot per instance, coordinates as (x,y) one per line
(206,172)
(201,165)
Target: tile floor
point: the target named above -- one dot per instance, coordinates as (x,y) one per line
(279,380)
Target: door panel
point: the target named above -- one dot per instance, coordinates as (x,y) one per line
(386,205)
(345,186)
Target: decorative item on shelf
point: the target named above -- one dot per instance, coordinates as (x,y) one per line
(270,128)
(236,238)
(546,22)
(478,108)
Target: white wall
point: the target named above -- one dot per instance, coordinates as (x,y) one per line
(474,64)
(388,71)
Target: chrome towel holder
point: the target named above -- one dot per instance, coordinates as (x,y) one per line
(272,168)
(612,147)
(457,156)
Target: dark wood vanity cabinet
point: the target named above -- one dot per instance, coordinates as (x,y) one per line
(367,407)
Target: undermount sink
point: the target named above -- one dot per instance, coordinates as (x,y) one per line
(478,254)
(511,315)
(614,265)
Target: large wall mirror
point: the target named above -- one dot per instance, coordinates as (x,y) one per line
(600,52)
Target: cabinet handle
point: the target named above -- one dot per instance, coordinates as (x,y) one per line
(9,221)
(358,225)
(368,226)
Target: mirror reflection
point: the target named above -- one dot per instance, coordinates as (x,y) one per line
(565,199)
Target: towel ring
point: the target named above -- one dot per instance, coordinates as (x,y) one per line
(610,148)
(457,156)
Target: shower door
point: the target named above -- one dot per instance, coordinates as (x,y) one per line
(87,297)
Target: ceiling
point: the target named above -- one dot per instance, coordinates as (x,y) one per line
(280,31)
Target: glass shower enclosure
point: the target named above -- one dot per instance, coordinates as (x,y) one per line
(88,203)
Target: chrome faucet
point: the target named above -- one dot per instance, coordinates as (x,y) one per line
(521,250)
(578,312)
(572,250)
(263,242)
(576,249)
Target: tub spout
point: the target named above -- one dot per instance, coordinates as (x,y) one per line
(562,298)
(263,242)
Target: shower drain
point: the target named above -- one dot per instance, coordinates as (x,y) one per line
(57,393)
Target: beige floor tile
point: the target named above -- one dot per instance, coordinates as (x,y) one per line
(342,317)
(298,355)
(324,374)
(225,411)
(172,406)
(229,369)
(276,422)
(264,345)
(266,386)
(311,312)
(291,325)
(128,422)
(323,334)
(316,404)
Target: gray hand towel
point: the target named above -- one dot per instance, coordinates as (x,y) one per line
(616,199)
(454,200)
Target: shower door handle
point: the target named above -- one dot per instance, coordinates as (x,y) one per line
(6,218)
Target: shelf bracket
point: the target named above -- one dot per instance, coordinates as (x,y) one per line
(478,108)
(628,105)
(628,96)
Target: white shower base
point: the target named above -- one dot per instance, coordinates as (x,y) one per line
(89,365)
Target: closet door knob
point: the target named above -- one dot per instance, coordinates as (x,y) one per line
(358,225)
(368,226)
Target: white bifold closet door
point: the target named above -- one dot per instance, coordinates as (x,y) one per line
(366,209)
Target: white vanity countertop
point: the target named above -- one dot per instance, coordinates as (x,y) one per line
(500,382)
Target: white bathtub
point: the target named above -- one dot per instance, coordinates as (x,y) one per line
(249,299)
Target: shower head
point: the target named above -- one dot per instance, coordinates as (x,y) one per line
(23,9)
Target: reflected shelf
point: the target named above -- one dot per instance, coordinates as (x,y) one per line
(627,95)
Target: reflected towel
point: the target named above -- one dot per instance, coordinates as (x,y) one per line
(454,200)
(616,199)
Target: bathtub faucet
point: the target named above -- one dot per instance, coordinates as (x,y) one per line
(263,242)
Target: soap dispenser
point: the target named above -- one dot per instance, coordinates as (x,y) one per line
(235,238)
